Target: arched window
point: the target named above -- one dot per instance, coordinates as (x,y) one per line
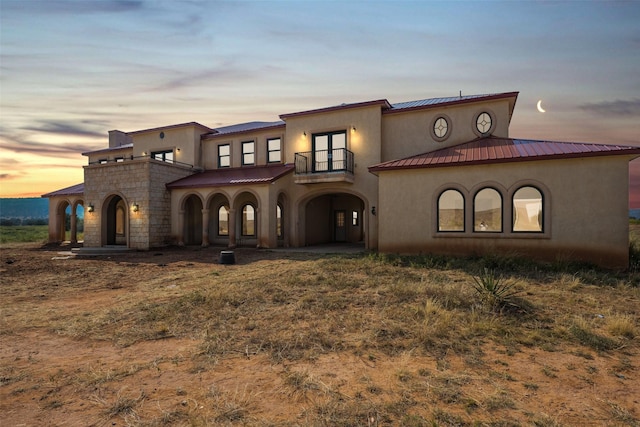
(451,211)
(527,210)
(487,211)
(223,220)
(248,221)
(279,222)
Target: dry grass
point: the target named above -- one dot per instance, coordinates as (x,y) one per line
(434,352)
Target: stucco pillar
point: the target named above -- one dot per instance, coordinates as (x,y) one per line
(232,228)
(205,228)
(61,225)
(181,228)
(262,233)
(74,227)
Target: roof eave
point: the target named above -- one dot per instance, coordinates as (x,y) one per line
(463,101)
(179,125)
(382,102)
(216,134)
(632,155)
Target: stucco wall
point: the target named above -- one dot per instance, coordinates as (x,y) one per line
(366,144)
(184,140)
(259,137)
(409,133)
(577,194)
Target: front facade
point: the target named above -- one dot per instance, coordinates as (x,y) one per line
(430,176)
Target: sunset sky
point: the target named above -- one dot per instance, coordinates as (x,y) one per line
(73,70)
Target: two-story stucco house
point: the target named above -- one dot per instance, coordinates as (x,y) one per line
(430,176)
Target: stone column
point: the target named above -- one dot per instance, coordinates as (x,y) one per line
(181,228)
(232,228)
(205,228)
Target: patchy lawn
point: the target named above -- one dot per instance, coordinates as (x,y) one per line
(170,337)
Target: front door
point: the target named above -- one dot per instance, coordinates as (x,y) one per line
(340,226)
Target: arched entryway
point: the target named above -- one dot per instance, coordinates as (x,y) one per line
(115,221)
(219,219)
(333,218)
(68,221)
(193,220)
(247,212)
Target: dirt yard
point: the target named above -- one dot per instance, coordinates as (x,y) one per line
(84,341)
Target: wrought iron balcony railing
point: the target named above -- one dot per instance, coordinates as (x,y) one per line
(324,161)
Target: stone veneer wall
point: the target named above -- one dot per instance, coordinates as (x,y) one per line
(160,201)
(141,182)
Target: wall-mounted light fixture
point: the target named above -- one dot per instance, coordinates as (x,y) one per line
(178,149)
(90,207)
(135,207)
(373,210)
(304,133)
(353,128)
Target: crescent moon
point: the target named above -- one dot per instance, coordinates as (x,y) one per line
(539,106)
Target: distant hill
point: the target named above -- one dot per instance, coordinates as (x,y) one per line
(31,207)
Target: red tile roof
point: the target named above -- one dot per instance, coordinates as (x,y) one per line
(502,150)
(233,176)
(74,190)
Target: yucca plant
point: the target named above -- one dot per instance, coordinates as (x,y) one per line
(494,292)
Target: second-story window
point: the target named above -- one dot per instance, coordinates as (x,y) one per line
(248,153)
(274,150)
(224,156)
(163,156)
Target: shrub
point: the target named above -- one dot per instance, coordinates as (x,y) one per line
(495,293)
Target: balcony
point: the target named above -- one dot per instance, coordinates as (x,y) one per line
(324,166)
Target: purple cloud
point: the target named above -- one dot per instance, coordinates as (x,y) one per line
(618,107)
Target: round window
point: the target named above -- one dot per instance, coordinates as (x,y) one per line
(440,128)
(484,123)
